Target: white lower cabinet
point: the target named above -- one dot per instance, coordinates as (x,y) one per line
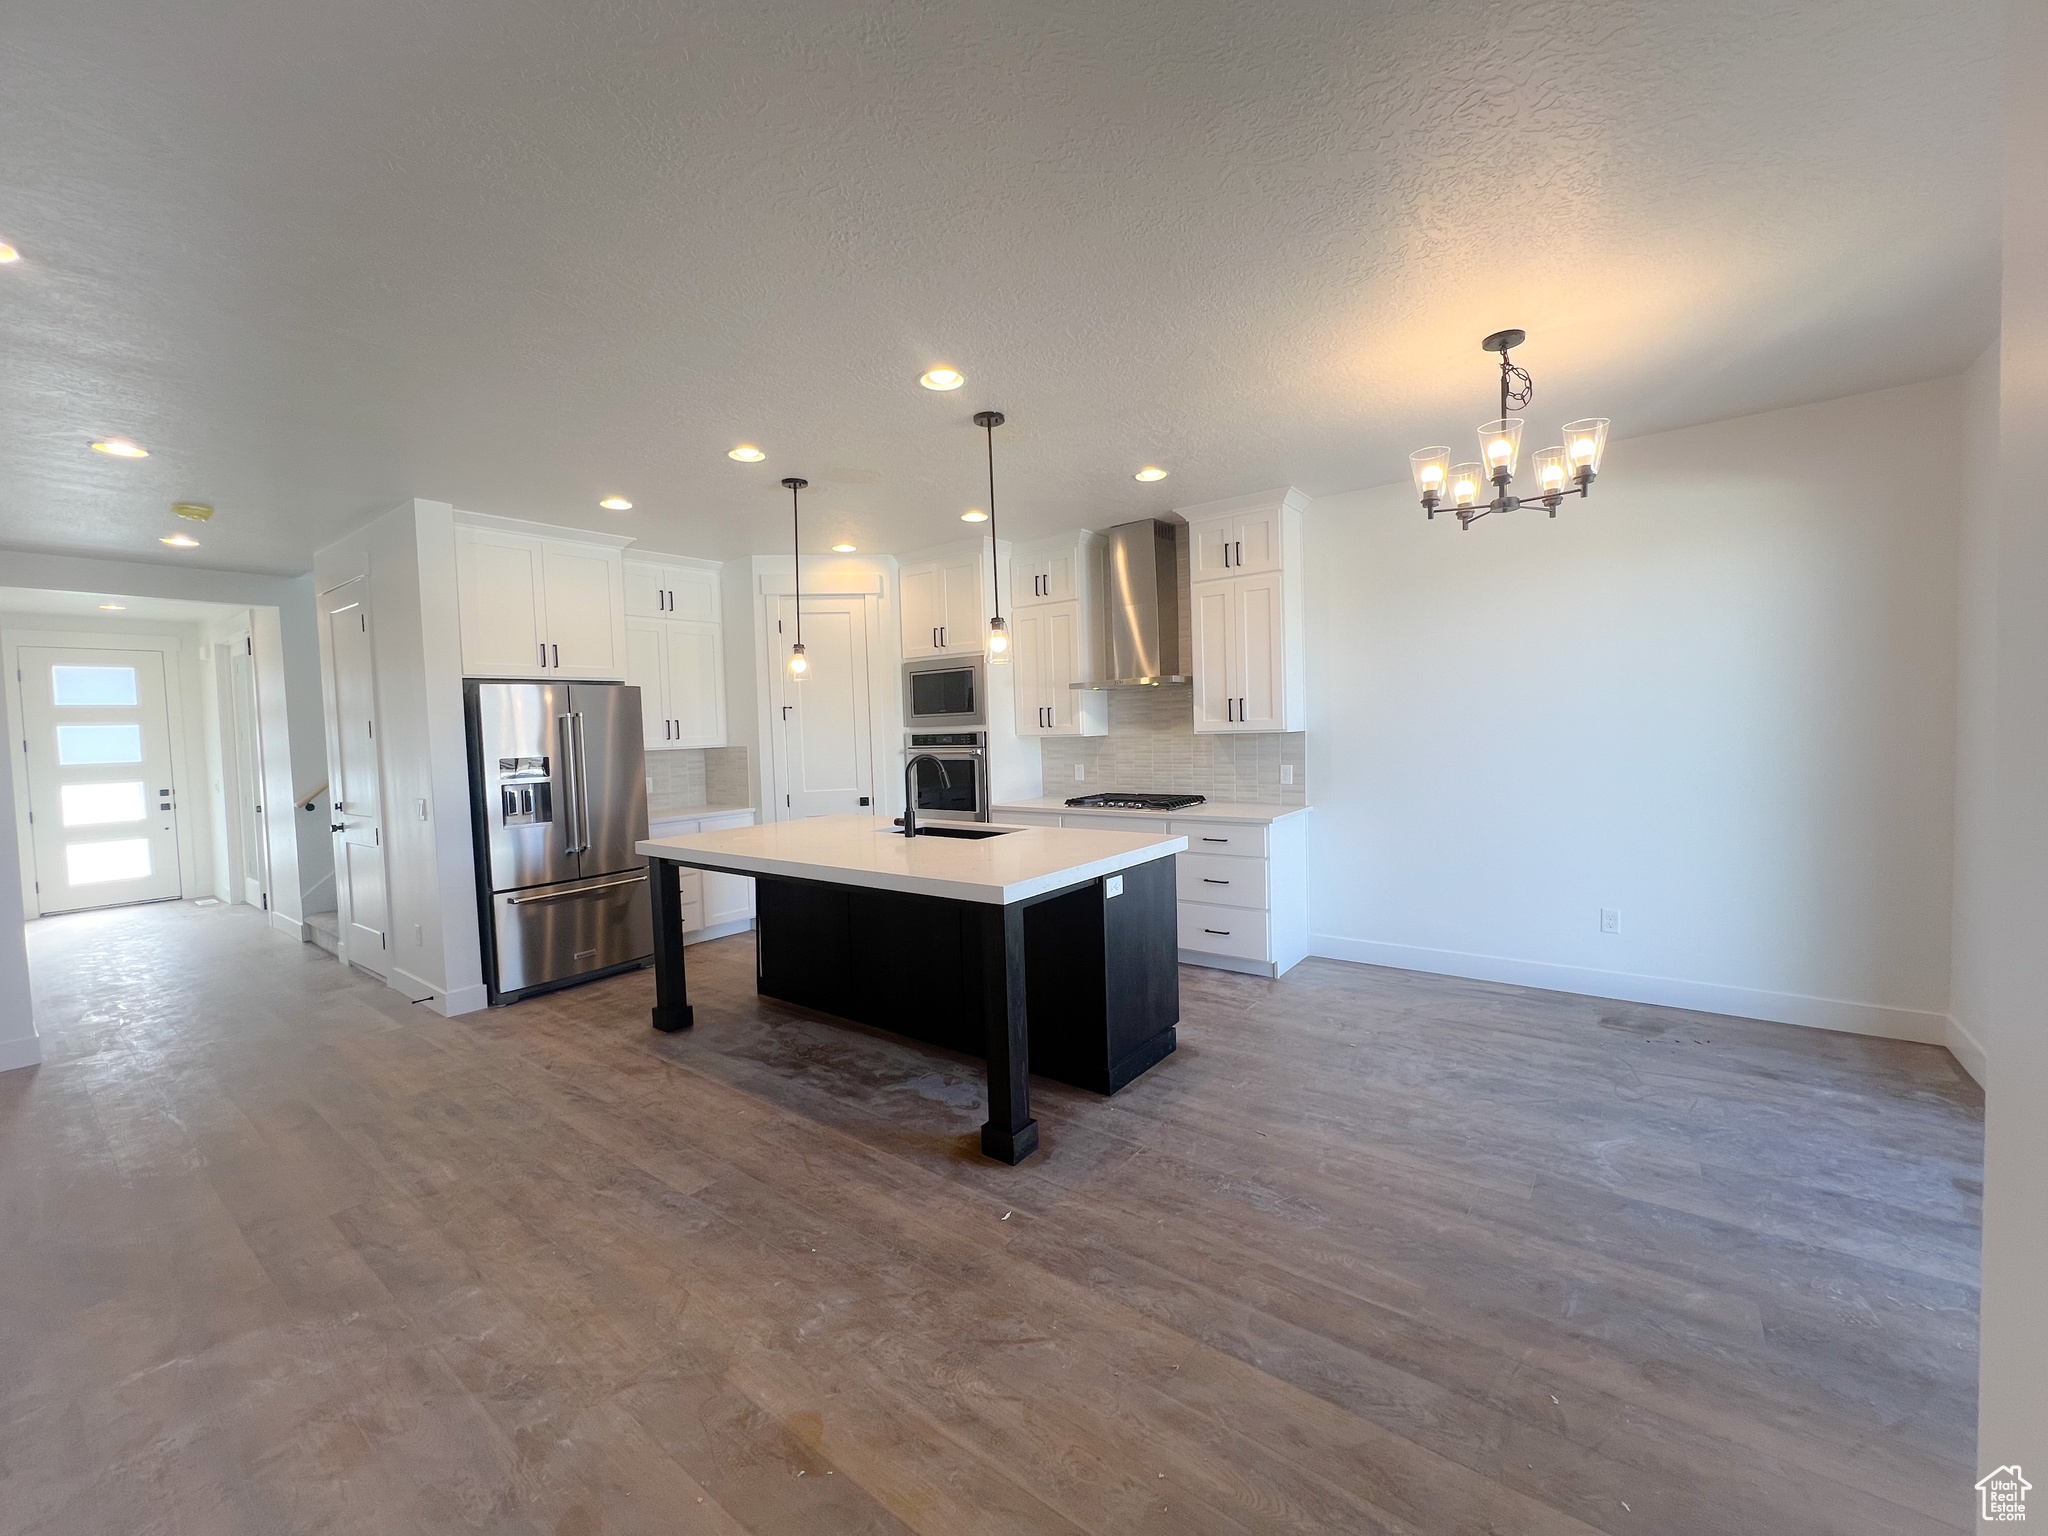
(714,904)
(1242,885)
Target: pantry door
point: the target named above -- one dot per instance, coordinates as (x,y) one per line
(821,728)
(101,796)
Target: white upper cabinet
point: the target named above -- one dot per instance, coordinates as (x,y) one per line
(1250,672)
(679,668)
(944,599)
(1057,636)
(1248,538)
(672,587)
(539,602)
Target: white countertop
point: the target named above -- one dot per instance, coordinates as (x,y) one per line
(698,813)
(869,851)
(1211,810)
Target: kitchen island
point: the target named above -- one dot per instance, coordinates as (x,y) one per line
(1037,948)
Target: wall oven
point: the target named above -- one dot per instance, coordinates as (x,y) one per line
(954,788)
(945,693)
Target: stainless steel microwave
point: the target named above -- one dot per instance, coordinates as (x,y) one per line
(948,693)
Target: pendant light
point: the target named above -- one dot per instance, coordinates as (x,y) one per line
(998,631)
(799,665)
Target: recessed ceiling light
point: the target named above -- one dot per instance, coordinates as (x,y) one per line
(8,255)
(842,549)
(974,515)
(121,448)
(747,454)
(616,504)
(1150,473)
(114,607)
(179,541)
(943,378)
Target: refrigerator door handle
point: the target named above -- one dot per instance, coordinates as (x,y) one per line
(582,785)
(581,890)
(572,784)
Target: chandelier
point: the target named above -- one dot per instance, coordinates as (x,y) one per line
(1559,471)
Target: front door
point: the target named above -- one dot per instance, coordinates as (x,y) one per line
(822,729)
(101,796)
(361,896)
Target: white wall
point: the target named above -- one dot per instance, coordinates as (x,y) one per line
(1717,696)
(19,1046)
(2005,977)
(409,556)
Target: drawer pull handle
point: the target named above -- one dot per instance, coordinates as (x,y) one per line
(1206,880)
(1224,932)
(1215,839)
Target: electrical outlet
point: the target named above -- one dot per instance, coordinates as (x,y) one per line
(1610,919)
(1287,773)
(1080,770)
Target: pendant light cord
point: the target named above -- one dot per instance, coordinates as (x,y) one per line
(995,562)
(796,552)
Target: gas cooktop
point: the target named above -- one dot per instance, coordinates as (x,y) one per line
(1128,800)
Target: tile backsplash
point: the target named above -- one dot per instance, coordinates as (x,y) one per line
(688,777)
(1152,746)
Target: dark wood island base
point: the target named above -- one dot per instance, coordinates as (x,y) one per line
(1080,984)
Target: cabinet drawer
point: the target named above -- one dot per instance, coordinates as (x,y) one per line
(1221,837)
(1223,930)
(690,884)
(1151,824)
(693,916)
(1227,881)
(1028,818)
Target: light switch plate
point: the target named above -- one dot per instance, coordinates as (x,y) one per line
(1080,770)
(1113,886)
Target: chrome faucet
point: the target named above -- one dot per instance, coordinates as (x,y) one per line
(910,789)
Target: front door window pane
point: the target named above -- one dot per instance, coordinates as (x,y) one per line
(97,863)
(101,686)
(98,805)
(86,745)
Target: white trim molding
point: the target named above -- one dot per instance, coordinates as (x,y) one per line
(1922,1027)
(1968,1053)
(24,1052)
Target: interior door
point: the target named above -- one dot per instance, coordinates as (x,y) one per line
(361,892)
(1256,647)
(498,585)
(246,780)
(101,796)
(696,683)
(1027,661)
(1215,680)
(646,645)
(822,729)
(582,600)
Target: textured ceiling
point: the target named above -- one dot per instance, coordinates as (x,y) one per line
(322,256)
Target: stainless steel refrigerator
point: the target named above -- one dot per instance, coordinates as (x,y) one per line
(558,798)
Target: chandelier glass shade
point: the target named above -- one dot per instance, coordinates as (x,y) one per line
(1475,490)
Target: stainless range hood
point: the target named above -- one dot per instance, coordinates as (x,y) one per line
(1142,647)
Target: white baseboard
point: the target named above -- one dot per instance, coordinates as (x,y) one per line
(290,925)
(25,1052)
(1968,1053)
(1921,1027)
(718,931)
(466,999)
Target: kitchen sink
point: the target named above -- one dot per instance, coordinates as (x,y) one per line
(956,830)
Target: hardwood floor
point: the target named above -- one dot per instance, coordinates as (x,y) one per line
(1373,1252)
